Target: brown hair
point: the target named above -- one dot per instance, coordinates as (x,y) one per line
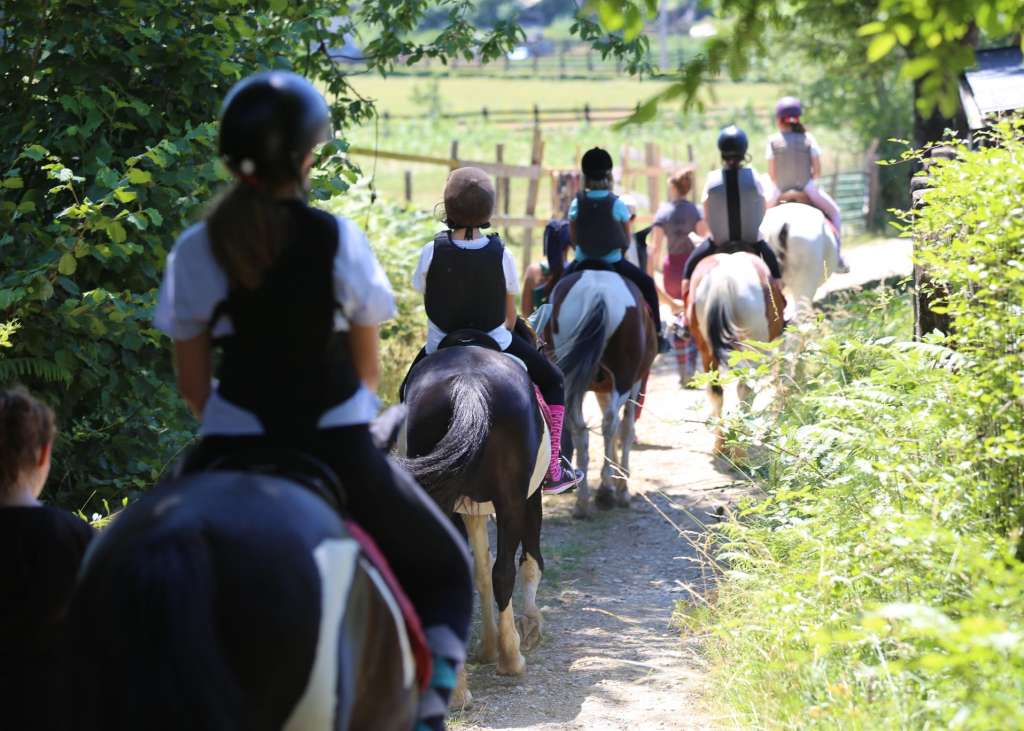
(247,229)
(26,426)
(682,181)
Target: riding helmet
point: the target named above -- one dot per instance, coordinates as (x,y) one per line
(268,124)
(732,142)
(468,198)
(596,163)
(788,109)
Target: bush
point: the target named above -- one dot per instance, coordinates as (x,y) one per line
(878,584)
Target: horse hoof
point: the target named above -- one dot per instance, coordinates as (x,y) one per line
(486,654)
(605,499)
(461,700)
(530,632)
(582,512)
(622,500)
(514,666)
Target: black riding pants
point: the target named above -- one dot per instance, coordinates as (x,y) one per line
(427,555)
(638,277)
(707,248)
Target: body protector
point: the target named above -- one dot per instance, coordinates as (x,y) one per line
(597,232)
(466,287)
(284,361)
(792,154)
(735,207)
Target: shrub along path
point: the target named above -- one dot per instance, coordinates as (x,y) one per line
(611,658)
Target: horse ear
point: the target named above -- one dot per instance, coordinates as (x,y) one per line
(784,236)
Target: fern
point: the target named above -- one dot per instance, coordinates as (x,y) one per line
(13,369)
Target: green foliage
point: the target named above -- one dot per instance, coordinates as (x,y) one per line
(109,152)
(879,583)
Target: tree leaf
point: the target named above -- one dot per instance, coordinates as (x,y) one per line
(873,28)
(13,183)
(116,232)
(124,195)
(67,265)
(139,177)
(880,46)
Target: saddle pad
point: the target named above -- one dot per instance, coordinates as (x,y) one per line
(413,626)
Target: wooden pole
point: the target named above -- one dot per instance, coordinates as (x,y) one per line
(533,188)
(689,159)
(408,186)
(499,157)
(652,156)
(453,154)
(871,163)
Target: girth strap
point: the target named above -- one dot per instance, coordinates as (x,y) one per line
(731,176)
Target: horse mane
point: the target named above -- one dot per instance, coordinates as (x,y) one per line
(440,471)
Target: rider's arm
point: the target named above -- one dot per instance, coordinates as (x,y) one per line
(365,343)
(655,252)
(193,371)
(815,167)
(701,229)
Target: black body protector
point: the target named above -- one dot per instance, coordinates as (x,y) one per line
(285,362)
(466,287)
(597,232)
(731,177)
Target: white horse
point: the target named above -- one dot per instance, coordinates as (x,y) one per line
(732,301)
(805,245)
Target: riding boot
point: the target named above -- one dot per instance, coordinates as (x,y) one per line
(560,477)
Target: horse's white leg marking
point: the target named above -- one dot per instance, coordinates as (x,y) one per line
(609,430)
(581,443)
(476,526)
(510,660)
(461,697)
(627,434)
(716,396)
(336,563)
(531,624)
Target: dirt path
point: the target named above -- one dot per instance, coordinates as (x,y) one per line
(611,658)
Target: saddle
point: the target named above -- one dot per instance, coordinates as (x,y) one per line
(467,336)
(795,195)
(736,247)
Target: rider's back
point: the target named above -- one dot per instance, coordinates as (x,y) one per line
(751,207)
(792,153)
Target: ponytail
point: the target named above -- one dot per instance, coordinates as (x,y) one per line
(797,127)
(247,227)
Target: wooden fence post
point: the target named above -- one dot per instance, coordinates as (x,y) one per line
(652,158)
(499,180)
(408,186)
(453,154)
(871,163)
(689,159)
(533,188)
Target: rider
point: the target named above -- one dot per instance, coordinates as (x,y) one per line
(733,207)
(599,228)
(293,297)
(468,280)
(674,221)
(794,163)
(539,274)
(41,549)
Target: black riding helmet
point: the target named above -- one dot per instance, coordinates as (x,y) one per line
(596,163)
(269,122)
(732,143)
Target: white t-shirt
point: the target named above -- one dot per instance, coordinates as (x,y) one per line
(194,284)
(501,334)
(769,153)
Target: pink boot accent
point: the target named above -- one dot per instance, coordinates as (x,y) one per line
(557,417)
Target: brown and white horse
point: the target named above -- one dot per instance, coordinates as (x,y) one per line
(604,341)
(731,299)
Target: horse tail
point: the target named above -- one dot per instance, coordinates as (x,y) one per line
(721,318)
(586,344)
(175,678)
(439,472)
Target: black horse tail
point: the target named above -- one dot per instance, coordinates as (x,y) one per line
(721,329)
(440,471)
(579,365)
(174,678)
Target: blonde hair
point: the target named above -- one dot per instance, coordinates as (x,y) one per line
(682,181)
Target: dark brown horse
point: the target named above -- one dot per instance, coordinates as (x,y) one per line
(476,440)
(235,600)
(604,341)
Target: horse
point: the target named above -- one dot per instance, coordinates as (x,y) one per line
(731,300)
(604,340)
(476,440)
(235,600)
(805,244)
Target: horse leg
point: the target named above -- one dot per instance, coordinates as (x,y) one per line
(717,397)
(510,532)
(476,526)
(627,434)
(609,430)
(530,624)
(461,697)
(581,441)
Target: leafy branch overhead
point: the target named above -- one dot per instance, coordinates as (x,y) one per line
(932,39)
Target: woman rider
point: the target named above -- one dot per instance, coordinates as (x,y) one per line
(600,231)
(469,281)
(292,297)
(794,163)
(733,207)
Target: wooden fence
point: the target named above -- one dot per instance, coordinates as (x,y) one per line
(855,189)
